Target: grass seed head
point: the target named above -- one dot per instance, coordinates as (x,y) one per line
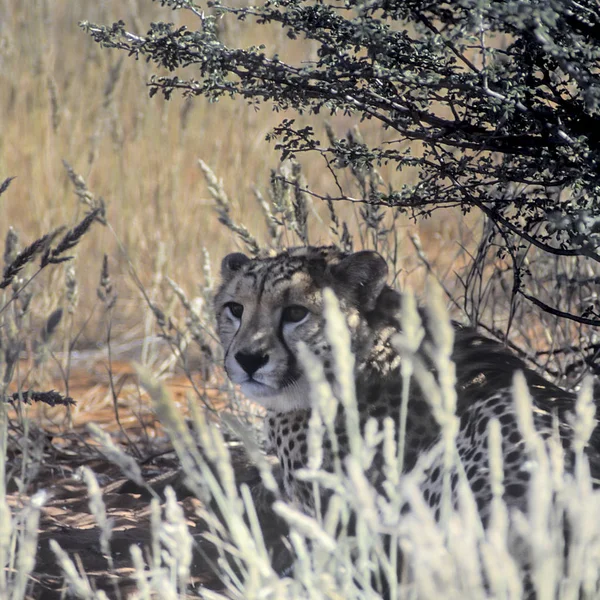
(98,509)
(115,454)
(27,255)
(11,246)
(51,324)
(71,289)
(105,288)
(54,106)
(79,584)
(71,239)
(81,189)
(4,185)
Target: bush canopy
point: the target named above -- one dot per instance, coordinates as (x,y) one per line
(499,99)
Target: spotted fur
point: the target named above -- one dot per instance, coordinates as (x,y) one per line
(261,348)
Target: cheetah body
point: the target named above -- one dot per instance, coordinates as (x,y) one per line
(267,306)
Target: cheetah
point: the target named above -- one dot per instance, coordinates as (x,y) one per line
(267,306)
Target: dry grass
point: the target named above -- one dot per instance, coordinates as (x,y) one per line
(63,97)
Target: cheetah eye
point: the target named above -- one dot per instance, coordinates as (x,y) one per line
(293,314)
(236,310)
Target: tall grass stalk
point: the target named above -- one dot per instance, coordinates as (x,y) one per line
(18,530)
(210,474)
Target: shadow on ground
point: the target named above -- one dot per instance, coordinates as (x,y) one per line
(67,518)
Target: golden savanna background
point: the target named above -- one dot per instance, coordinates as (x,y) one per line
(126,329)
(63,97)
(73,111)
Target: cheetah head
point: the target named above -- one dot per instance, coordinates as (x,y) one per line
(266,306)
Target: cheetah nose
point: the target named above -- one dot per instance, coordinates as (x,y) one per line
(251,362)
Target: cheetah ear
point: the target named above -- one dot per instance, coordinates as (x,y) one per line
(232,263)
(361,275)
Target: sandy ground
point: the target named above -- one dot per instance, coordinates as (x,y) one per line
(67,447)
